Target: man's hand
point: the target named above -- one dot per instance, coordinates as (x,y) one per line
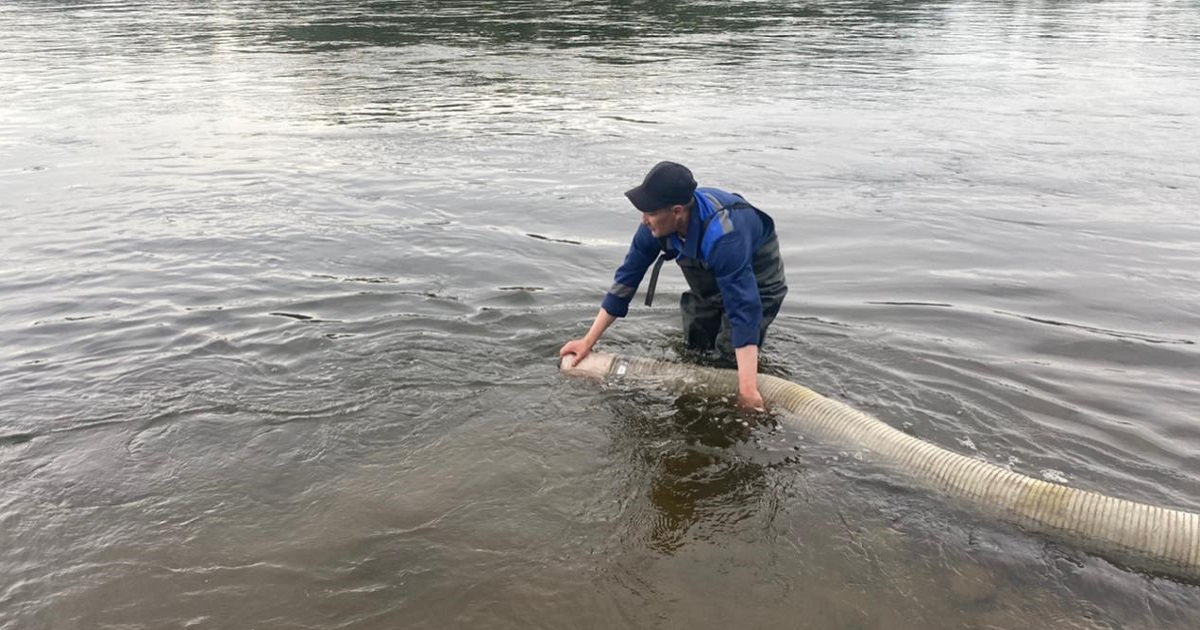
(750,399)
(583,347)
(578,347)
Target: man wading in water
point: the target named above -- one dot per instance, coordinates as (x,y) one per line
(729,254)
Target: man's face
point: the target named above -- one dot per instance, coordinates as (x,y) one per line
(664,221)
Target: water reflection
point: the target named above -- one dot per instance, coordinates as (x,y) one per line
(557,24)
(698,481)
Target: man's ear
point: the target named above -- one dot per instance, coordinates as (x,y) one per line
(677,212)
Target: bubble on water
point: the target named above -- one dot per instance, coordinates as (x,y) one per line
(1056,476)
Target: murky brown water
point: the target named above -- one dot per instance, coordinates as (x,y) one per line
(281,284)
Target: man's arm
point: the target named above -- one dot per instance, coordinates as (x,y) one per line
(731,261)
(642,252)
(747,363)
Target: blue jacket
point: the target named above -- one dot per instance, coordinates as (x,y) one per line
(726,249)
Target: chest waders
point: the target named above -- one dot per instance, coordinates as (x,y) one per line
(705,323)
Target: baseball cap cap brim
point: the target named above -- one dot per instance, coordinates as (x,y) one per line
(643,200)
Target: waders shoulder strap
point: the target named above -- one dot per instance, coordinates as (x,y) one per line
(662,258)
(669,252)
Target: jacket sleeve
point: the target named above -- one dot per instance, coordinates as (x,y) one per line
(731,261)
(642,252)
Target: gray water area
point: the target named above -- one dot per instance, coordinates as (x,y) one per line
(282,283)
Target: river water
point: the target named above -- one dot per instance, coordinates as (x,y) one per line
(281,286)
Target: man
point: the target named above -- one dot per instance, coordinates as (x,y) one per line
(729,254)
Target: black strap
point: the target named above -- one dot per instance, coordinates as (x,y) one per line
(654,278)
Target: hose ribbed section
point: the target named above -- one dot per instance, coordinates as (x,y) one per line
(1147,537)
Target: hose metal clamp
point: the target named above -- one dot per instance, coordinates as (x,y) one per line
(620,368)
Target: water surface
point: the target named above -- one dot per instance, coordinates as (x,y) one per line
(281,284)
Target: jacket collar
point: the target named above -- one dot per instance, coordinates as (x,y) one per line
(691,247)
